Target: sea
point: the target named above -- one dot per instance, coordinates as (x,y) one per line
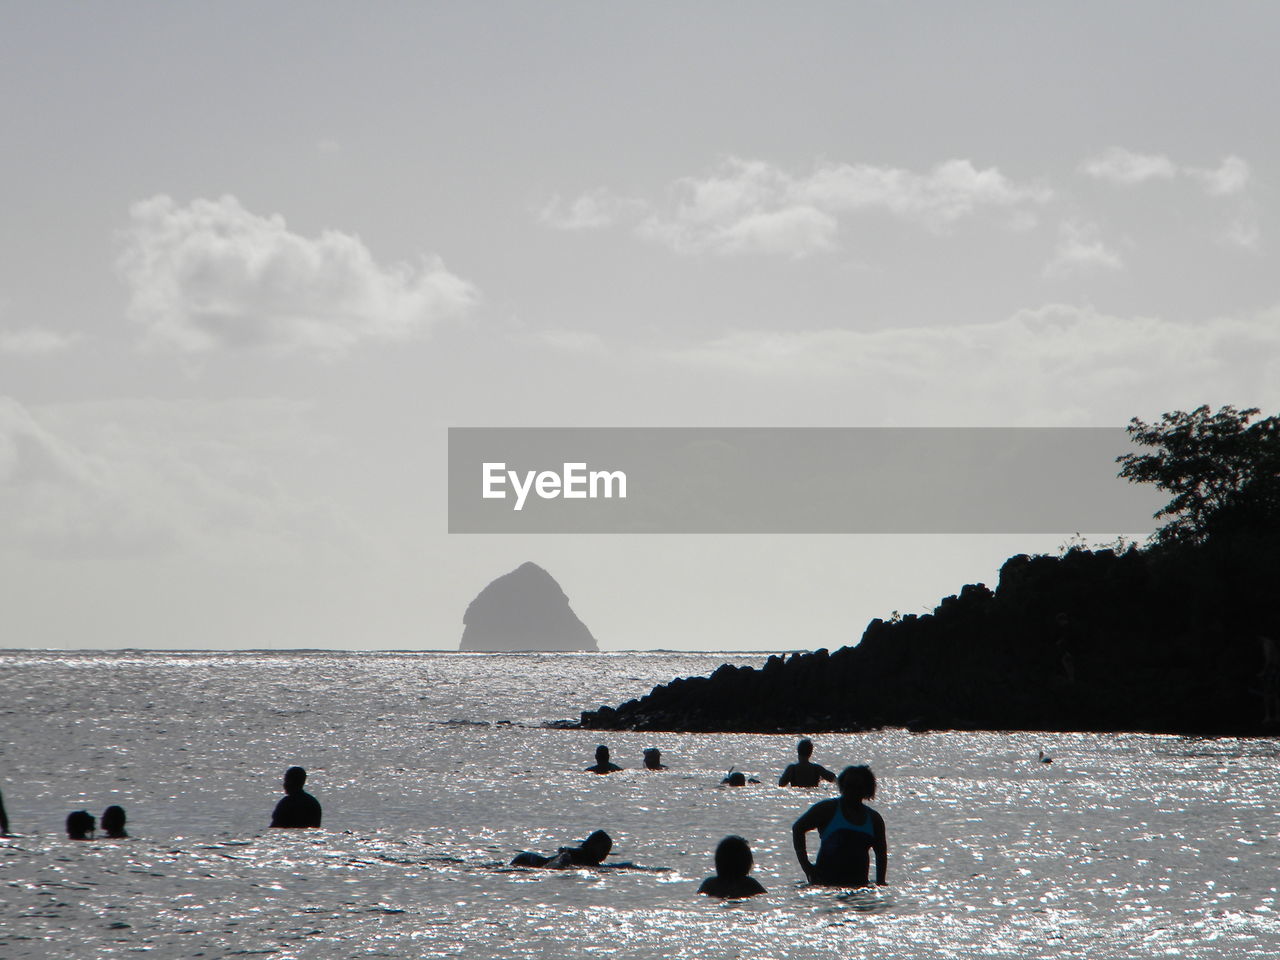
(435,769)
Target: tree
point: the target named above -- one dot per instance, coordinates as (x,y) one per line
(1222,469)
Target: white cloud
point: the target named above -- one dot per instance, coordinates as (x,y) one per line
(1243,232)
(1058,364)
(753,207)
(593,210)
(1230,177)
(34,341)
(1079,249)
(1121,166)
(213,275)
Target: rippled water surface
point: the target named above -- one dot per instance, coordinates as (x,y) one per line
(434,769)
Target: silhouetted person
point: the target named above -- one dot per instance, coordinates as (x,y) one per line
(602,764)
(733,867)
(113,822)
(804,773)
(850,830)
(296,808)
(80,825)
(4,818)
(590,853)
(736,778)
(653,759)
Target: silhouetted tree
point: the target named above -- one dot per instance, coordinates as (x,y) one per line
(1222,469)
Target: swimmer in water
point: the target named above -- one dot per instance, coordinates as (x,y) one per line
(732,880)
(80,825)
(736,778)
(113,823)
(297,808)
(603,764)
(804,773)
(590,853)
(653,759)
(850,831)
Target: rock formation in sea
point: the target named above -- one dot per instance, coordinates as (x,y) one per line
(524,610)
(1184,642)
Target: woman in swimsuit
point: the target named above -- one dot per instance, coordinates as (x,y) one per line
(850,831)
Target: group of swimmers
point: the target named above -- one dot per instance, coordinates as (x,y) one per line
(848,829)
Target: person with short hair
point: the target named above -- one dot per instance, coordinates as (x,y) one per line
(804,773)
(732,880)
(297,809)
(603,764)
(850,832)
(112,821)
(80,824)
(653,759)
(590,853)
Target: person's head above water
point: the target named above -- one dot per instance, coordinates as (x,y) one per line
(597,846)
(653,758)
(736,779)
(294,778)
(857,783)
(733,858)
(79,825)
(113,821)
(804,749)
(602,754)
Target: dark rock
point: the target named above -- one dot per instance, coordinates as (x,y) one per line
(524,610)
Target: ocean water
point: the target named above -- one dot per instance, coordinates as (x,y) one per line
(435,769)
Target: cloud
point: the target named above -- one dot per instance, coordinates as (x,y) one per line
(1125,167)
(1121,166)
(1243,232)
(1080,249)
(212,275)
(122,478)
(35,341)
(593,210)
(1230,177)
(753,207)
(1056,364)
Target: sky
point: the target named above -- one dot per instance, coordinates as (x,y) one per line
(256,259)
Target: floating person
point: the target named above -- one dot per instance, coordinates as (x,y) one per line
(736,778)
(653,759)
(590,853)
(4,819)
(850,831)
(80,825)
(732,880)
(804,773)
(297,808)
(113,823)
(603,764)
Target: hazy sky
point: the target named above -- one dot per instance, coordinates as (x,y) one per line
(256,258)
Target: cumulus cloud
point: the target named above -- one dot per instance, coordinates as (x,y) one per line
(34,341)
(213,275)
(1125,167)
(593,210)
(1056,364)
(1080,248)
(1121,166)
(753,207)
(1230,177)
(145,477)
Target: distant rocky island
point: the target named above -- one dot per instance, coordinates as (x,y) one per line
(1182,636)
(524,610)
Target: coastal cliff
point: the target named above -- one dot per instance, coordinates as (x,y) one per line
(524,610)
(1161,641)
